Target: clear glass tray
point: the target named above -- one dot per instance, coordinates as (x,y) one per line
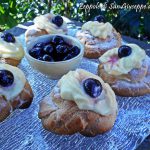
(22,130)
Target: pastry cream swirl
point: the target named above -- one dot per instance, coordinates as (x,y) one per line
(100,30)
(125,64)
(19,82)
(71,88)
(11,50)
(45,22)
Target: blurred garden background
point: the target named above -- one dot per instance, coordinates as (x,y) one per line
(130,22)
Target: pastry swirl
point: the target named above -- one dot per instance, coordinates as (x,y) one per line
(134,81)
(44,22)
(62,115)
(18,95)
(43,25)
(11,50)
(96,43)
(125,64)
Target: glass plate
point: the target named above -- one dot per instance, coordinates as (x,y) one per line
(22,130)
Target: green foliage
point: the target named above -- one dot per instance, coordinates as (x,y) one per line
(13,12)
(7,9)
(128,22)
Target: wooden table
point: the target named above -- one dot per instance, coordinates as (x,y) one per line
(18,30)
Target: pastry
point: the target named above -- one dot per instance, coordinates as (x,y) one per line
(80,102)
(98,37)
(15,91)
(46,24)
(11,50)
(127,70)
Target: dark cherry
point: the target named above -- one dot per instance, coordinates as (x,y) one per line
(99,18)
(36,52)
(6,78)
(41,45)
(8,37)
(47,58)
(48,49)
(61,49)
(69,56)
(124,51)
(75,50)
(92,87)
(57,20)
(57,40)
(40,58)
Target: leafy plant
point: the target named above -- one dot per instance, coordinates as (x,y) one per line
(13,12)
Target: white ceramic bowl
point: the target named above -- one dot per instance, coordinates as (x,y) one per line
(54,70)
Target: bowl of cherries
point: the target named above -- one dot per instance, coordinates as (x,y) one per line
(54,55)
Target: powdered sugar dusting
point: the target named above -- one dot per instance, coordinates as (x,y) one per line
(96,43)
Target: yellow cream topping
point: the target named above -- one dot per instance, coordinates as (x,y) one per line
(125,64)
(71,88)
(19,82)
(100,30)
(11,50)
(45,22)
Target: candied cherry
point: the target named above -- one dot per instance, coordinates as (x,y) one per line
(8,37)
(57,20)
(92,87)
(47,58)
(6,78)
(99,18)
(57,40)
(61,49)
(124,51)
(48,49)
(75,50)
(36,52)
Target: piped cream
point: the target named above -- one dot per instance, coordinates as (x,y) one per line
(71,88)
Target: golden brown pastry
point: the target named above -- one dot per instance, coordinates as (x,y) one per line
(15,91)
(127,70)
(80,102)
(11,50)
(46,24)
(98,37)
